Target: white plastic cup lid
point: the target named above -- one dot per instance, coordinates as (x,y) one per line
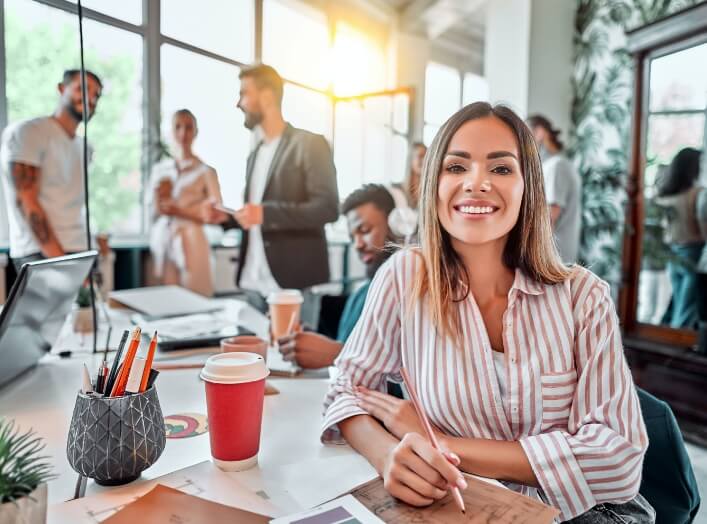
(286,296)
(234,368)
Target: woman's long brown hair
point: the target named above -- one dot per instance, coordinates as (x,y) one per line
(443,280)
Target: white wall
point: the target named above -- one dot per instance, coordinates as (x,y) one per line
(506,55)
(550,70)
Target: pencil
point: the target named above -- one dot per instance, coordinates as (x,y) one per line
(148,362)
(428,429)
(110,380)
(122,380)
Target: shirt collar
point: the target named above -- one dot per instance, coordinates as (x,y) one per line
(527,285)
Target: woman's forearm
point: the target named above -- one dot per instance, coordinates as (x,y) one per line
(496,459)
(369,438)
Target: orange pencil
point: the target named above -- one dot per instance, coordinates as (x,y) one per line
(456,495)
(148,362)
(122,380)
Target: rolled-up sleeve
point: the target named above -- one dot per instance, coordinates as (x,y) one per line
(370,355)
(600,456)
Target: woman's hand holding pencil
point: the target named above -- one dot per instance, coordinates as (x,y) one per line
(417,470)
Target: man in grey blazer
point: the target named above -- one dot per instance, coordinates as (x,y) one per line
(290,194)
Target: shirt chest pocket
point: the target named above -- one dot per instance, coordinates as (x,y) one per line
(558,389)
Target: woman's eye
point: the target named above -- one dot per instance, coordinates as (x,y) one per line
(456,168)
(501,170)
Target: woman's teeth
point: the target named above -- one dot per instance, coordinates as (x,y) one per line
(473,210)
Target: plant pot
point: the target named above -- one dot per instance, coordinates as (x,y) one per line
(83,320)
(31,509)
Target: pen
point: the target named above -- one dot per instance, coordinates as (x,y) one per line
(428,429)
(110,380)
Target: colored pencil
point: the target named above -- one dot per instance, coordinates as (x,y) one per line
(148,362)
(122,380)
(428,429)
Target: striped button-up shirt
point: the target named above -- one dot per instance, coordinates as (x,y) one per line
(570,399)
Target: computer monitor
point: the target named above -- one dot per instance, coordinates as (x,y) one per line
(36,309)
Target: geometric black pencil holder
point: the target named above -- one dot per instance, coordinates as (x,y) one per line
(113,440)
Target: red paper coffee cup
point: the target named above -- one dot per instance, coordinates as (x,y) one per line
(235,388)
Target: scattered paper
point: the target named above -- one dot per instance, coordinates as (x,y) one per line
(202,480)
(344,510)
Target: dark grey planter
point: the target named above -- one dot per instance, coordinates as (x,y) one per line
(113,440)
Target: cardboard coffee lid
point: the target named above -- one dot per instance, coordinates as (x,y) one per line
(285,296)
(234,368)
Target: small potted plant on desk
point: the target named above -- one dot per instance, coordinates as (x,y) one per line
(23,476)
(83,315)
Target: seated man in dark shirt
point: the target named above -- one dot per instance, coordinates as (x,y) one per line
(366,211)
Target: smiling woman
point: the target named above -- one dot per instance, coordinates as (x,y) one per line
(516,358)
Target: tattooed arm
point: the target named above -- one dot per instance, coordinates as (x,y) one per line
(26,181)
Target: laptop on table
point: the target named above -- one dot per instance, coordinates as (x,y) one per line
(36,309)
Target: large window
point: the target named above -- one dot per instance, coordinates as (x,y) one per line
(40,42)
(225,28)
(200,52)
(222,141)
(446,90)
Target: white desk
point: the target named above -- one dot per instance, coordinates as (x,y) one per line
(43,399)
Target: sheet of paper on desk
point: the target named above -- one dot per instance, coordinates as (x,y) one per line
(344,510)
(164,505)
(335,477)
(202,480)
(485,504)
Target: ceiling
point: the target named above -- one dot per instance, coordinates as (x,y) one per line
(458,20)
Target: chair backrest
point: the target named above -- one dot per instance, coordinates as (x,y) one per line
(668,482)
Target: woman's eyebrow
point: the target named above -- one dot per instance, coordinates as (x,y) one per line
(462,154)
(500,154)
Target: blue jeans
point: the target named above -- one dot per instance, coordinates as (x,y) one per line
(684,281)
(636,511)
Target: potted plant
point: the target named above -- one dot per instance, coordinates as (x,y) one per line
(24,473)
(83,314)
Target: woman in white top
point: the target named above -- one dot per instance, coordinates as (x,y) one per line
(517,358)
(180,250)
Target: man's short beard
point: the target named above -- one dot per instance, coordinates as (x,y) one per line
(75,113)
(252,120)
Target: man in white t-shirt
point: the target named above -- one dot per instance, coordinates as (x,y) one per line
(42,171)
(563,188)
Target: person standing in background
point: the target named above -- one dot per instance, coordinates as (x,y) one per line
(179,186)
(290,194)
(42,163)
(563,188)
(678,190)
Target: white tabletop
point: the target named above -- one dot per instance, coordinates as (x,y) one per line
(43,399)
